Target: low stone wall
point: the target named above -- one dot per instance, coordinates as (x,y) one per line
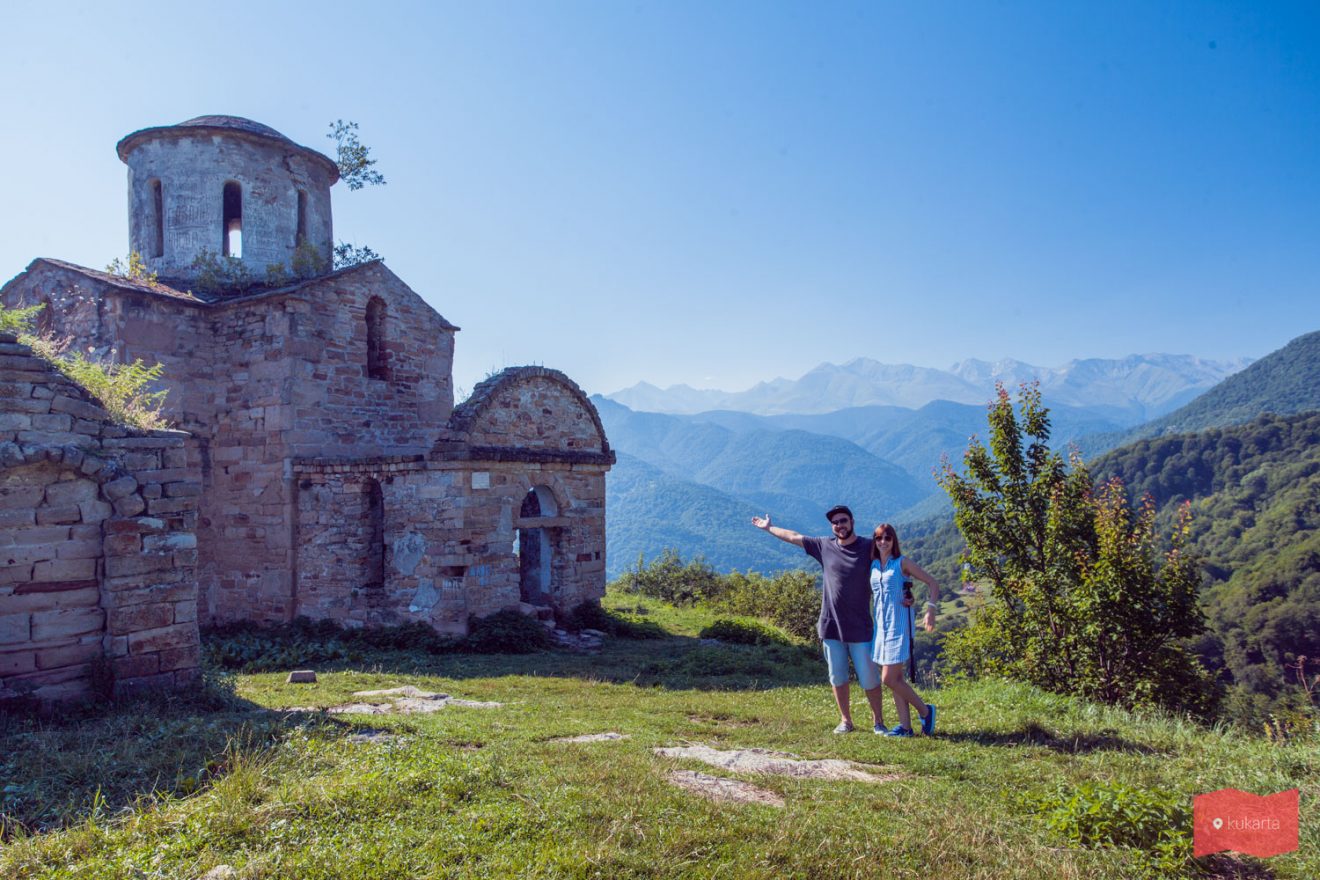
(98,553)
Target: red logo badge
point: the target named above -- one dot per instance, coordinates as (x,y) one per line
(1254,825)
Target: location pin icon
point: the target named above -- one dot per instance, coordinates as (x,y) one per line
(1218,823)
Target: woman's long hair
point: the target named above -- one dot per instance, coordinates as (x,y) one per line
(894,550)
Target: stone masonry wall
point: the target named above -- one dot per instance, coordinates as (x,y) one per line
(338,410)
(449,532)
(97,551)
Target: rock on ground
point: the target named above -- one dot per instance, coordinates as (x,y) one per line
(719,789)
(776,763)
(592,737)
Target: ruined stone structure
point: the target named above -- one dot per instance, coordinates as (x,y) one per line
(337,478)
(97,547)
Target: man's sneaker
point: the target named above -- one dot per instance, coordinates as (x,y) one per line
(899,730)
(880,729)
(928,723)
(844,727)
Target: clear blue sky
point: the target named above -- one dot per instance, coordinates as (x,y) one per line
(719,193)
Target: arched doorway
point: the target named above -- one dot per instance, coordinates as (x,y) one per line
(535,546)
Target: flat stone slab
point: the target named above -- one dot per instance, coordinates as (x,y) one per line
(301,676)
(718,788)
(372,735)
(405,691)
(776,763)
(406,700)
(592,737)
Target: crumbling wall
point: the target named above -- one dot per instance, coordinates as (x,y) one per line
(97,550)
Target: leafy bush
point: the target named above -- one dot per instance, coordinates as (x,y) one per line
(506,632)
(217,274)
(119,388)
(1156,822)
(672,580)
(18,321)
(135,270)
(743,632)
(589,615)
(789,599)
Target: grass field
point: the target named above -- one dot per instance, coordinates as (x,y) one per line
(178,788)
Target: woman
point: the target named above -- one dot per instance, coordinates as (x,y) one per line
(893,640)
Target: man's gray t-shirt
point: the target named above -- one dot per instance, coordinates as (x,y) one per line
(845,601)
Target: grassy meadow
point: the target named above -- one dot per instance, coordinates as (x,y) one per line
(1016,783)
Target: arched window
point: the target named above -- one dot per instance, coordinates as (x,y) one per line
(232,228)
(377,359)
(301,235)
(375,568)
(157,219)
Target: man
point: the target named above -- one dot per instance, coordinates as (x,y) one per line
(845,626)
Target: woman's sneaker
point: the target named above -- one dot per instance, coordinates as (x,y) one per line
(928,723)
(844,727)
(900,730)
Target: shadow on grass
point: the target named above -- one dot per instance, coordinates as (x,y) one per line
(1071,743)
(95,761)
(657,660)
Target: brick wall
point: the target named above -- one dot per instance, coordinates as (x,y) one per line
(97,550)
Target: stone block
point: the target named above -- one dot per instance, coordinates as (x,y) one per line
(68,492)
(65,622)
(21,496)
(116,489)
(185,612)
(35,536)
(122,566)
(54,515)
(17,662)
(130,505)
(135,666)
(67,655)
(12,421)
(84,549)
(123,544)
(52,422)
(159,506)
(301,676)
(78,408)
(87,597)
(175,636)
(187,657)
(12,518)
(65,570)
(14,628)
(142,525)
(135,618)
(169,543)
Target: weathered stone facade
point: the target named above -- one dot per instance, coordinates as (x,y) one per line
(338,480)
(97,550)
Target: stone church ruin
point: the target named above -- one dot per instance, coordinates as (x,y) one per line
(320,469)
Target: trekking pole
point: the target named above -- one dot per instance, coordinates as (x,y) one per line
(912,633)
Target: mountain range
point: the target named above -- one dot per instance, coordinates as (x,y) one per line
(692,481)
(1129,390)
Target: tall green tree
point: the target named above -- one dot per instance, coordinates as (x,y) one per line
(1079,597)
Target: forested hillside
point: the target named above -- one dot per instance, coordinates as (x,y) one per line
(1254,491)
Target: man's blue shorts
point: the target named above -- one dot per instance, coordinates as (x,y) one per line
(836,656)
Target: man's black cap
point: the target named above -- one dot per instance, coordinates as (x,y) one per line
(839,508)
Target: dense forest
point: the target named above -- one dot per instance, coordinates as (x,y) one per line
(1254,493)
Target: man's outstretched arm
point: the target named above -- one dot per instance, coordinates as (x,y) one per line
(790,537)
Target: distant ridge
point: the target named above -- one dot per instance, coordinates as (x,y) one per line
(1130,390)
(1284,382)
